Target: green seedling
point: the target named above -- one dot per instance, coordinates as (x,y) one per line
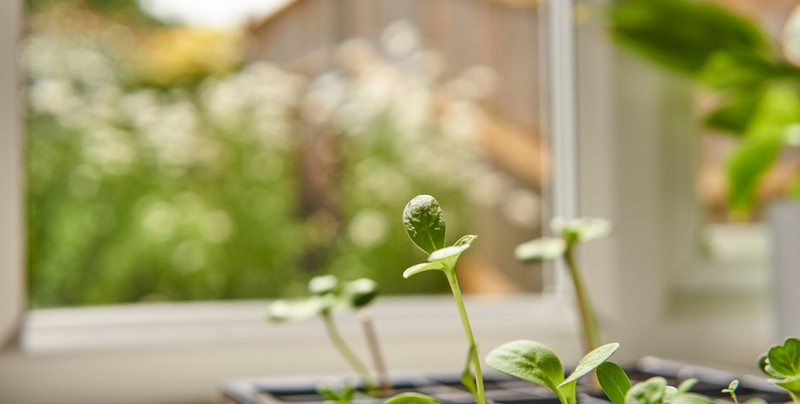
(326,297)
(337,396)
(570,233)
(782,364)
(424,222)
(731,389)
(536,363)
(617,387)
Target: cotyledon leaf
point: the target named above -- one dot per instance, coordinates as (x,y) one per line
(424,223)
(591,360)
(614,382)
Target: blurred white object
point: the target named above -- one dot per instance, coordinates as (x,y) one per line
(784,220)
(791,37)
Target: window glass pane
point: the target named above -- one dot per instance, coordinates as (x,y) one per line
(172,161)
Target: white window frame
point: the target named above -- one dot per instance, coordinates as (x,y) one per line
(628,172)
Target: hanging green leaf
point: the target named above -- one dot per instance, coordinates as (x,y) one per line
(760,146)
(581,229)
(424,223)
(648,28)
(614,382)
(736,111)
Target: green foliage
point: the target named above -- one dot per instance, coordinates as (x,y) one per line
(764,138)
(648,27)
(338,396)
(534,362)
(569,233)
(425,225)
(613,381)
(412,398)
(136,193)
(782,364)
(755,86)
(325,295)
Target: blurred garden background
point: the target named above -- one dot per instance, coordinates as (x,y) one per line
(169,162)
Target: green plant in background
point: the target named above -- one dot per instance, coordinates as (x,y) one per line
(618,389)
(570,233)
(756,86)
(143,192)
(327,296)
(782,364)
(424,222)
(536,363)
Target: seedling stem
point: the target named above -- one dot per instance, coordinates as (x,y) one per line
(591,330)
(347,353)
(462,311)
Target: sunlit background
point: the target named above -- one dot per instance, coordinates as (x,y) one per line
(175,152)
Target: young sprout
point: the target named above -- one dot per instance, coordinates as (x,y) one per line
(536,363)
(569,234)
(327,296)
(782,364)
(617,387)
(425,225)
(731,389)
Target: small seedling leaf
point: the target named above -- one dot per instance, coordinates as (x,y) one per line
(322,285)
(424,223)
(541,249)
(528,360)
(444,254)
(467,378)
(360,292)
(669,393)
(650,391)
(763,364)
(425,266)
(687,385)
(591,360)
(690,398)
(283,310)
(412,398)
(613,381)
(581,229)
(465,240)
(785,359)
(791,383)
(731,387)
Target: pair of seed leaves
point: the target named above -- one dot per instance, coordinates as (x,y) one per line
(533,362)
(617,387)
(326,295)
(424,222)
(782,364)
(569,232)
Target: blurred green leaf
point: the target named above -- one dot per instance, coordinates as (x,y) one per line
(412,398)
(651,29)
(759,148)
(546,248)
(650,391)
(736,110)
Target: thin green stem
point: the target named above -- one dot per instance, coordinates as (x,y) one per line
(462,311)
(591,331)
(347,353)
(794,397)
(374,350)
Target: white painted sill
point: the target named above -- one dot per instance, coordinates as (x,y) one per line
(181,352)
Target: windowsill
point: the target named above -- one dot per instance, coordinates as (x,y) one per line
(183,351)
